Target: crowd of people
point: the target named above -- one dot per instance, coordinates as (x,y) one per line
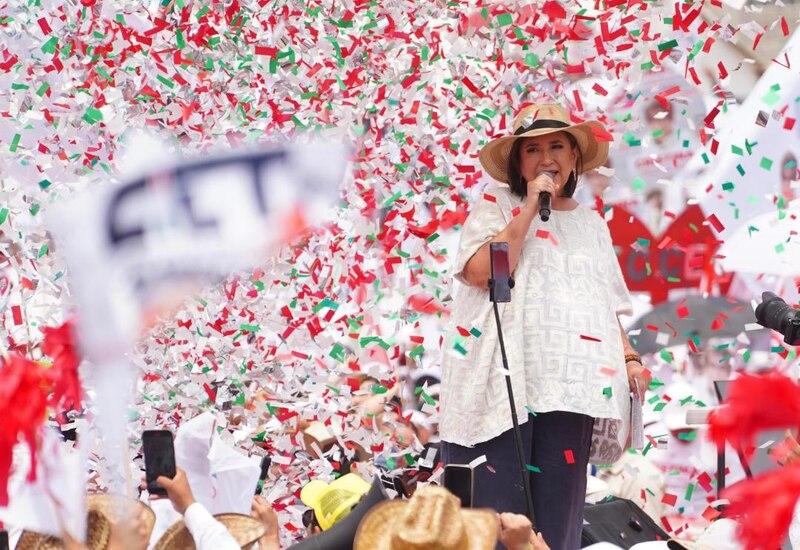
(571,365)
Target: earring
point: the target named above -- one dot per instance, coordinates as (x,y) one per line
(575,174)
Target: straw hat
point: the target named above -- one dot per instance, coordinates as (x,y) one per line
(244,529)
(331,502)
(433,519)
(102,512)
(539,120)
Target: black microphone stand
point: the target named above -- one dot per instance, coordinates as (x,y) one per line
(508,283)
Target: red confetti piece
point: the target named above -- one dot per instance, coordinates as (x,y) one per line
(715,223)
(490,198)
(608,372)
(704,481)
(599,89)
(710,514)
(542,234)
(590,338)
(569,456)
(601,134)
(669,499)
(16,315)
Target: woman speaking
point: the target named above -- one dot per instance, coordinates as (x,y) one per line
(569,360)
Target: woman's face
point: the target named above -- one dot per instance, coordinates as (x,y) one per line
(549,153)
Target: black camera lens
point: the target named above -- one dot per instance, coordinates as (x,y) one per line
(775,314)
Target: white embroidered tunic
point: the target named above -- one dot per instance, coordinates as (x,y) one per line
(560,329)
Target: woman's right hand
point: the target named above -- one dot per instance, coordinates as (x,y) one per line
(542,183)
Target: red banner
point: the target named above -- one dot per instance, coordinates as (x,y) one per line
(681,257)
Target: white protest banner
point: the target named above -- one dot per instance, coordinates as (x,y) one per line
(142,246)
(754,160)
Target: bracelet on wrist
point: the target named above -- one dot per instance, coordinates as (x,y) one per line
(633,357)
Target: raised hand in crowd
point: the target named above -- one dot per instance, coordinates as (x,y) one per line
(516,533)
(178,490)
(263,512)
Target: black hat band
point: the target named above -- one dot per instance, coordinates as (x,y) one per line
(537,124)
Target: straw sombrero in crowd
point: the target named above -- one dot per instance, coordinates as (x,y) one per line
(244,529)
(432,519)
(102,512)
(541,119)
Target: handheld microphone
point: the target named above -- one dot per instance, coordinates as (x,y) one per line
(545,199)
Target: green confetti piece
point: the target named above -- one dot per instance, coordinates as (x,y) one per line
(530,410)
(643,242)
(475,332)
(364,342)
(428,399)
(51,45)
(504,19)
(727,186)
(533,469)
(766,163)
(104,74)
(772,97)
(660,406)
(460,349)
(392,199)
(15,143)
(740,169)
(93,116)
(655,383)
(249,328)
(691,435)
(736,150)
(337,352)
(43,89)
(695,49)
(668,45)
(673,279)
(42,251)
(3,215)
(607,391)
(34,209)
(44,184)
(532,60)
(327,302)
(779,248)
(638,184)
(165,81)
(416,352)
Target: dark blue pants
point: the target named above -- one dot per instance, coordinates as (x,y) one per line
(559,488)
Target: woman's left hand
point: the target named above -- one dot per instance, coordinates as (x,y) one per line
(638,373)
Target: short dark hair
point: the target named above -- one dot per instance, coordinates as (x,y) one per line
(520,187)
